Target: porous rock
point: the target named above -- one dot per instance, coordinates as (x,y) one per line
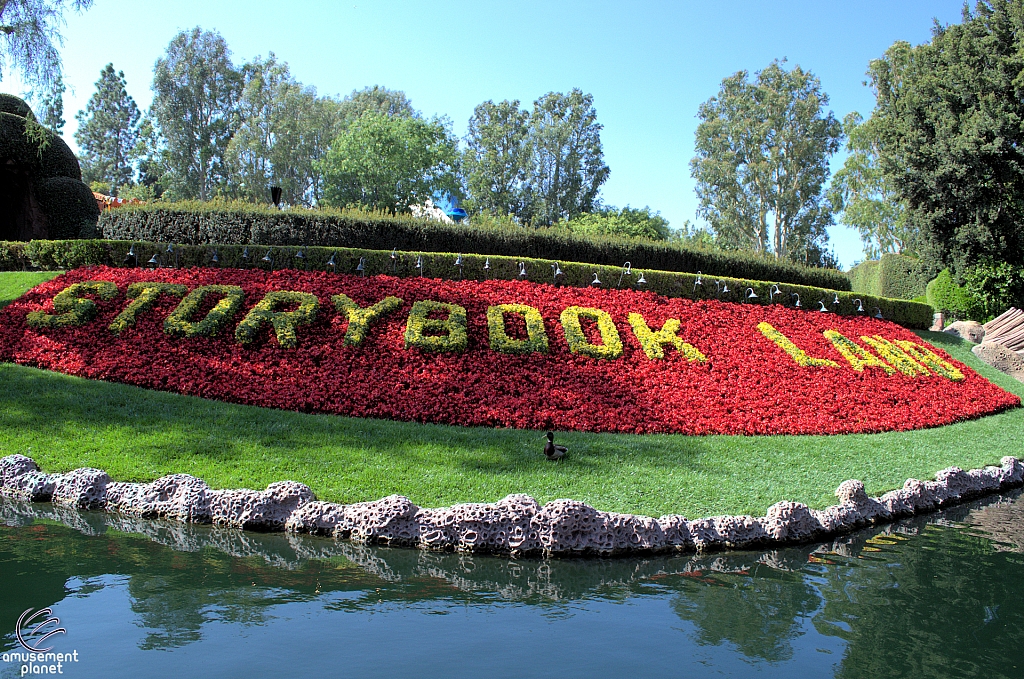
(262,510)
(13,466)
(791,522)
(84,488)
(385,521)
(972,331)
(1001,358)
(180,497)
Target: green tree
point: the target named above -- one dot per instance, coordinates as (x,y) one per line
(51,107)
(376,99)
(108,132)
(762,160)
(864,197)
(497,159)
(567,161)
(628,223)
(281,135)
(29,38)
(389,163)
(196,89)
(953,144)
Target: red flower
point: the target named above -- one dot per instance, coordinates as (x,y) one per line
(747,385)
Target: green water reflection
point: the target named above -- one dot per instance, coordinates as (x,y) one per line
(938,596)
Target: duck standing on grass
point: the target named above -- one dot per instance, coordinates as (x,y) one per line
(551,451)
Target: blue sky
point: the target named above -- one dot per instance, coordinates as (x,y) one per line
(649,65)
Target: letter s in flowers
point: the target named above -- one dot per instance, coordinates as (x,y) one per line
(71,309)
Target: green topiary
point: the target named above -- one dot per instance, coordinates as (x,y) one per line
(14,105)
(946,296)
(71,210)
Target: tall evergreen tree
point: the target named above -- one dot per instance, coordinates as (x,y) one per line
(762,159)
(196,91)
(108,131)
(497,158)
(567,161)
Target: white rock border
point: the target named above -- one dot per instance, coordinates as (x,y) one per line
(516,525)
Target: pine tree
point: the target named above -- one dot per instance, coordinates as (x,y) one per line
(108,132)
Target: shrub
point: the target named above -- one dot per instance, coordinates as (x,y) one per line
(895,276)
(951,299)
(245,224)
(72,254)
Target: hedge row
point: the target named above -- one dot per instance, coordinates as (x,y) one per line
(233,223)
(896,276)
(74,253)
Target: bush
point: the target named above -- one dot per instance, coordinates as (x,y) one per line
(946,296)
(895,276)
(71,210)
(237,223)
(75,253)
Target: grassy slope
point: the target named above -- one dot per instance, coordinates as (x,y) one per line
(66,422)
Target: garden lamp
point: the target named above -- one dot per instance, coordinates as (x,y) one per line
(170,249)
(522,269)
(458,263)
(835,299)
(487,267)
(772,291)
(823,308)
(860,305)
(596,283)
(131,254)
(641,280)
(275,195)
(878,313)
(751,294)
(394,260)
(699,281)
(627,270)
(331,263)
(797,295)
(419,264)
(154,261)
(216,258)
(361,266)
(556,272)
(245,257)
(268,259)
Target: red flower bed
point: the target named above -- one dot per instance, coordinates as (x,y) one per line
(746,383)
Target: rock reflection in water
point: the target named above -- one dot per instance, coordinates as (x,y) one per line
(929,596)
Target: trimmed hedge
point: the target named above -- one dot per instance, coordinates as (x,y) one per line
(75,253)
(70,208)
(953,300)
(895,276)
(236,223)
(55,160)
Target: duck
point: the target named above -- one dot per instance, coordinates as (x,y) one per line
(551,451)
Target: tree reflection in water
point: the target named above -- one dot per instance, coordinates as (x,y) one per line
(937,596)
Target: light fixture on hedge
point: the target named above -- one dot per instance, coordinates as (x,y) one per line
(699,281)
(275,195)
(641,280)
(720,289)
(595,283)
(522,269)
(823,309)
(154,261)
(556,271)
(487,267)
(131,254)
(245,258)
(772,291)
(627,270)
(361,266)
(458,263)
(419,264)
(331,263)
(835,299)
(394,261)
(860,305)
(878,313)
(301,256)
(172,249)
(269,260)
(216,258)
(797,295)
(751,294)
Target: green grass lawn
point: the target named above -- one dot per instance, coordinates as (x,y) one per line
(66,422)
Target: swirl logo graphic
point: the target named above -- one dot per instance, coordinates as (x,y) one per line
(27,619)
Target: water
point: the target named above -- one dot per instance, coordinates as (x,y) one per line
(937,596)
